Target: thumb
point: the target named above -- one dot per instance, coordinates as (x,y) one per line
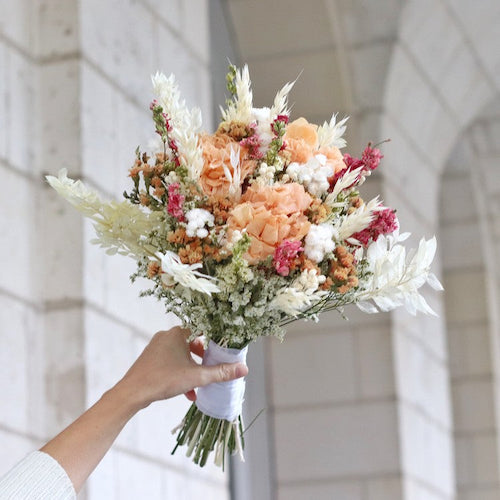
(222,373)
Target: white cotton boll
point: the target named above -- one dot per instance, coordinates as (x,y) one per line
(293,171)
(319,241)
(197,219)
(313,175)
(262,115)
(315,254)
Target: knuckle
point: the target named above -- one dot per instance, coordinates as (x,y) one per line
(225,372)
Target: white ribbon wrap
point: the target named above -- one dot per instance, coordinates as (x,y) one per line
(222,400)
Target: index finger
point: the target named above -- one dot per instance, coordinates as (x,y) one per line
(197,347)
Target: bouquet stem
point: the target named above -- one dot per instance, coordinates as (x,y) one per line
(213,423)
(204,434)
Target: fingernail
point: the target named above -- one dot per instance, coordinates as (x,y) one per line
(241,370)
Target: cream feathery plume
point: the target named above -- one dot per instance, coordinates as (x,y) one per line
(359,219)
(240,109)
(344,182)
(120,226)
(185,123)
(235,178)
(331,133)
(280,105)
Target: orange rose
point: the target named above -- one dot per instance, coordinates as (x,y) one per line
(270,215)
(216,155)
(301,139)
(334,158)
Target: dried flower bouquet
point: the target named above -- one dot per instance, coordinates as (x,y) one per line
(245,230)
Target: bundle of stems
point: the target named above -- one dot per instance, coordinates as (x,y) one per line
(204,434)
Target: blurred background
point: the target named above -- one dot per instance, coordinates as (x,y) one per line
(375,408)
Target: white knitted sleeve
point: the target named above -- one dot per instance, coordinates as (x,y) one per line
(37,477)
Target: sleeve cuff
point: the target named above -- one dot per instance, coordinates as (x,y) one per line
(37,477)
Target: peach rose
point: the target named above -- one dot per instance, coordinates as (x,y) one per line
(270,215)
(334,158)
(280,199)
(301,139)
(216,154)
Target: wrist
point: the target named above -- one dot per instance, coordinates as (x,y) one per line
(124,399)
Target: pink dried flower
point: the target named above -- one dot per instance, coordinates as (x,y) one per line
(283,118)
(385,222)
(351,162)
(371,157)
(284,255)
(175,201)
(369,160)
(253,144)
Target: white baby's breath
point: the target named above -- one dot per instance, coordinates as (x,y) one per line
(265,175)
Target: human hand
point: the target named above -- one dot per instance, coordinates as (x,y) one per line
(166,368)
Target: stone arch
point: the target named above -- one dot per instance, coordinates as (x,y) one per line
(470,272)
(435,87)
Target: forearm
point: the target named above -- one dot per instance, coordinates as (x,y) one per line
(82,445)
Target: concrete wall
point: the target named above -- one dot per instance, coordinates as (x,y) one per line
(74,93)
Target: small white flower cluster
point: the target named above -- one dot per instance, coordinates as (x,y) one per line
(309,281)
(172,178)
(265,174)
(303,293)
(319,241)
(197,219)
(313,175)
(235,237)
